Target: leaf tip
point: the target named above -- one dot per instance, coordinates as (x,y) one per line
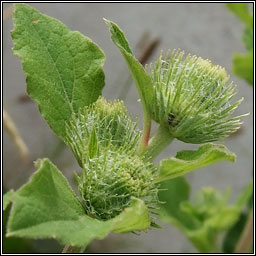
(39,162)
(109,23)
(8,233)
(106,21)
(233,158)
(15,6)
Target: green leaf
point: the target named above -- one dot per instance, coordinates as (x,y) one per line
(245,196)
(14,244)
(171,194)
(46,207)
(202,220)
(241,11)
(233,234)
(141,78)
(135,217)
(93,145)
(189,160)
(248,38)
(47,197)
(7,198)
(63,67)
(243,66)
(243,63)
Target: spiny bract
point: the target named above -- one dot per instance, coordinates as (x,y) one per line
(192,98)
(104,140)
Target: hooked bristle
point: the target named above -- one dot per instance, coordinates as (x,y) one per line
(192,98)
(104,140)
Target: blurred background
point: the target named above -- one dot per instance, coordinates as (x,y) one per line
(208,30)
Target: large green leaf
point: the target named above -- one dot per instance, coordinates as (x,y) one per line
(63,67)
(141,78)
(243,66)
(189,160)
(46,207)
(13,244)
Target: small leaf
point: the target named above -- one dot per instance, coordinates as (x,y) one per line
(135,217)
(63,68)
(245,196)
(233,234)
(7,198)
(202,220)
(141,78)
(241,11)
(118,37)
(243,66)
(243,63)
(46,207)
(93,145)
(248,38)
(189,160)
(171,194)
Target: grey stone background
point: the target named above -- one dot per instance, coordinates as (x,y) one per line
(208,30)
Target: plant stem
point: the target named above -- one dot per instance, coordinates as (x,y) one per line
(158,142)
(73,249)
(13,132)
(146,133)
(245,242)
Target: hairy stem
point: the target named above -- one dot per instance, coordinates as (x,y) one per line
(146,133)
(158,142)
(246,239)
(73,249)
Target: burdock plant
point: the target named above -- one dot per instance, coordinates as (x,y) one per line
(118,182)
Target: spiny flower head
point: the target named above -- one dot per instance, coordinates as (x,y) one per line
(110,179)
(111,124)
(104,140)
(192,98)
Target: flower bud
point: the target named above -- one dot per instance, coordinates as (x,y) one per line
(192,98)
(104,140)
